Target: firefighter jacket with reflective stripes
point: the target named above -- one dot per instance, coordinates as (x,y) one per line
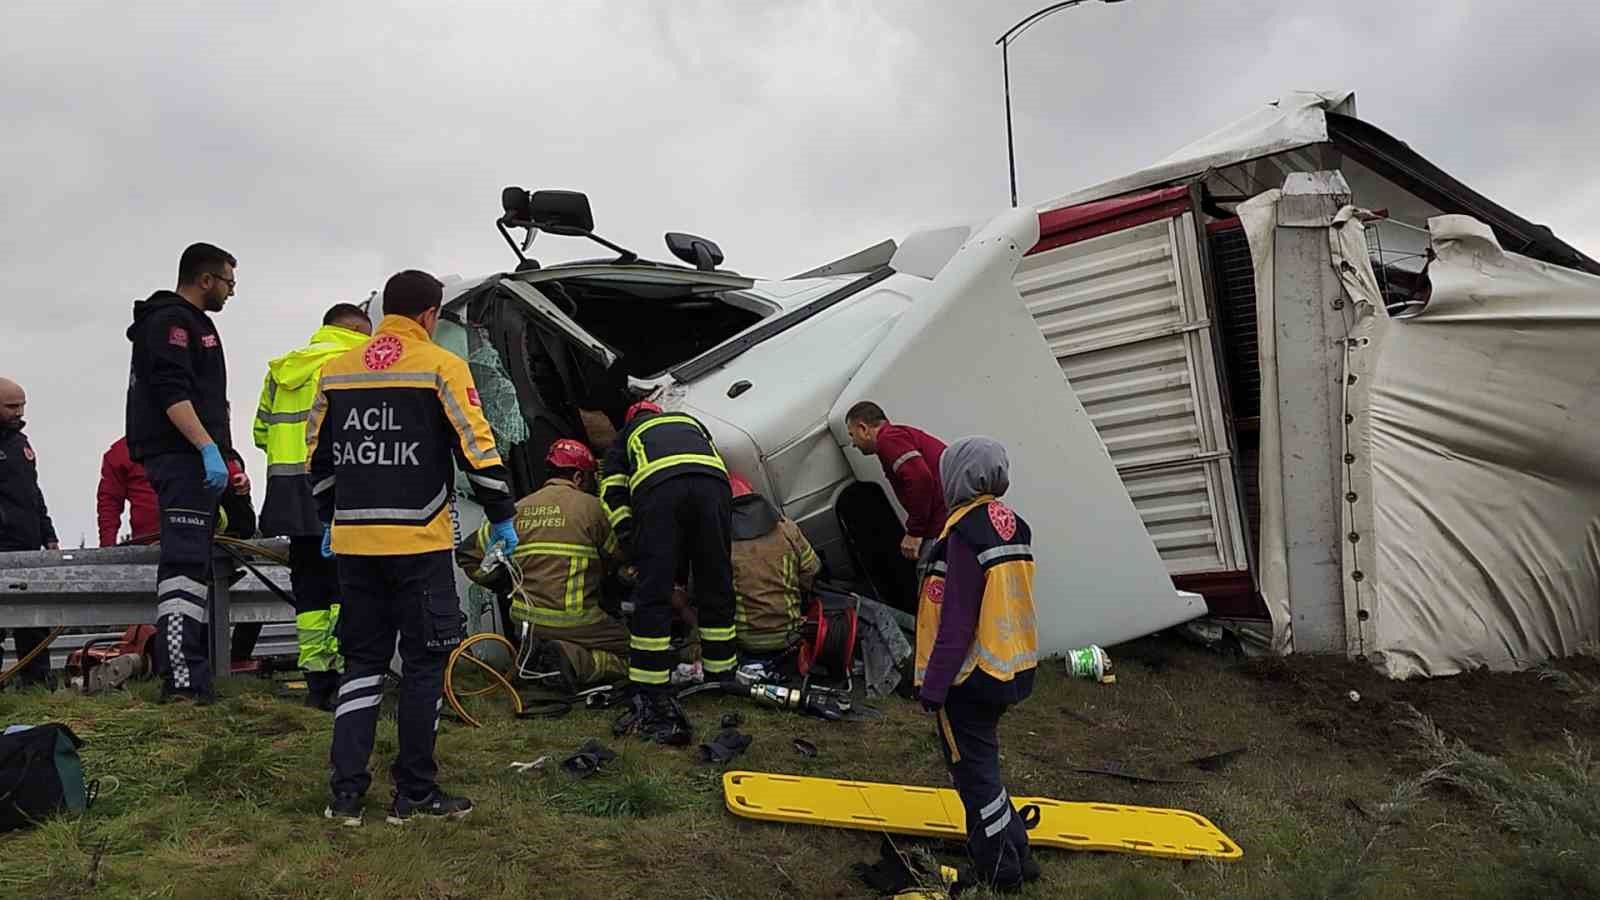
(772,574)
(1001,639)
(280,430)
(565,547)
(386,421)
(651,449)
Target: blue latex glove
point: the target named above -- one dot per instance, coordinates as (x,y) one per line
(216,469)
(502,537)
(327,542)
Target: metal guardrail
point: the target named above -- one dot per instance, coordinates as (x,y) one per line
(116,586)
(277,639)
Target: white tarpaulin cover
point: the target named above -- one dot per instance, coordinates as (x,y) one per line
(1475,427)
(1484,445)
(1293,121)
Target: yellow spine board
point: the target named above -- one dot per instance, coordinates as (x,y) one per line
(937,812)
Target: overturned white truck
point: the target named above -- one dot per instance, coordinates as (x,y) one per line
(932,328)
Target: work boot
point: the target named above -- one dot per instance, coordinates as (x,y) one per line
(322,690)
(344,809)
(437,805)
(567,660)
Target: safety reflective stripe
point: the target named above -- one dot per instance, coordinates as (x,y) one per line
(649,644)
(994,806)
(575,551)
(680,459)
(1005,551)
(718,666)
(998,825)
(323,485)
(904,458)
(647,676)
(360,684)
(493,484)
(284,418)
(286,470)
(177,606)
(182,585)
(424,514)
(555,618)
(644,467)
(360,703)
(617,516)
(717,634)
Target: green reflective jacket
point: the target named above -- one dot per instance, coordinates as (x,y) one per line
(280,429)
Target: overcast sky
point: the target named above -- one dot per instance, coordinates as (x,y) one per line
(328,145)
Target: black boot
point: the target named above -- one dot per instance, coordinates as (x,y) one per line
(322,690)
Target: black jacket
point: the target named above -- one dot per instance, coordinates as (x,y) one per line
(177,355)
(24,520)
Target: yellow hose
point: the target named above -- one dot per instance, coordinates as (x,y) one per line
(44,647)
(449,676)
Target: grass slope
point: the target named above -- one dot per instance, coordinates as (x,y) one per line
(1332,799)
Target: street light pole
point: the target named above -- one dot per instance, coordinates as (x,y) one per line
(1004,42)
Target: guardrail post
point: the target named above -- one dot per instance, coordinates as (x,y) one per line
(219,615)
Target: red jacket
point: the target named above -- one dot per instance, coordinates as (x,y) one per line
(122,481)
(910,460)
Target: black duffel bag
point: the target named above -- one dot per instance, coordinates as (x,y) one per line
(40,775)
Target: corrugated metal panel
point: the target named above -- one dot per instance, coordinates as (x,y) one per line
(1125,315)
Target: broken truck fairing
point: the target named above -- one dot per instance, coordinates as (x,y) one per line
(937,334)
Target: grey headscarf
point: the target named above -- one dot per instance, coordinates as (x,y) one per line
(973,466)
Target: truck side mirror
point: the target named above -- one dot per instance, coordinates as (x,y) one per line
(694,250)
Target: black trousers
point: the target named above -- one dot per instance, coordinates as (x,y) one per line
(413,597)
(688,517)
(997,839)
(36,672)
(183,574)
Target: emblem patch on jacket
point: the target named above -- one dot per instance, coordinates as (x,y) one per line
(472,397)
(178,336)
(935,591)
(27,452)
(382,351)
(1003,520)
(208,341)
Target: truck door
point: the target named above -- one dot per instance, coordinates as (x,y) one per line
(966,358)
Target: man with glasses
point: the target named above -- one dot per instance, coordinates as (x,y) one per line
(177,426)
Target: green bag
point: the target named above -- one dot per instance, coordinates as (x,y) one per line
(41,775)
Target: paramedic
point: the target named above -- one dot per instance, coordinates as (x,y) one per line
(665,491)
(24,520)
(774,568)
(177,427)
(977,649)
(567,555)
(910,460)
(386,421)
(288,511)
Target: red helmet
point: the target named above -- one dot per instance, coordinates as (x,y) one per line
(741,488)
(570,454)
(642,406)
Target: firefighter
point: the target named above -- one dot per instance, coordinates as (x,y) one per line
(568,558)
(386,421)
(910,460)
(774,568)
(665,490)
(177,427)
(977,649)
(24,520)
(280,430)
